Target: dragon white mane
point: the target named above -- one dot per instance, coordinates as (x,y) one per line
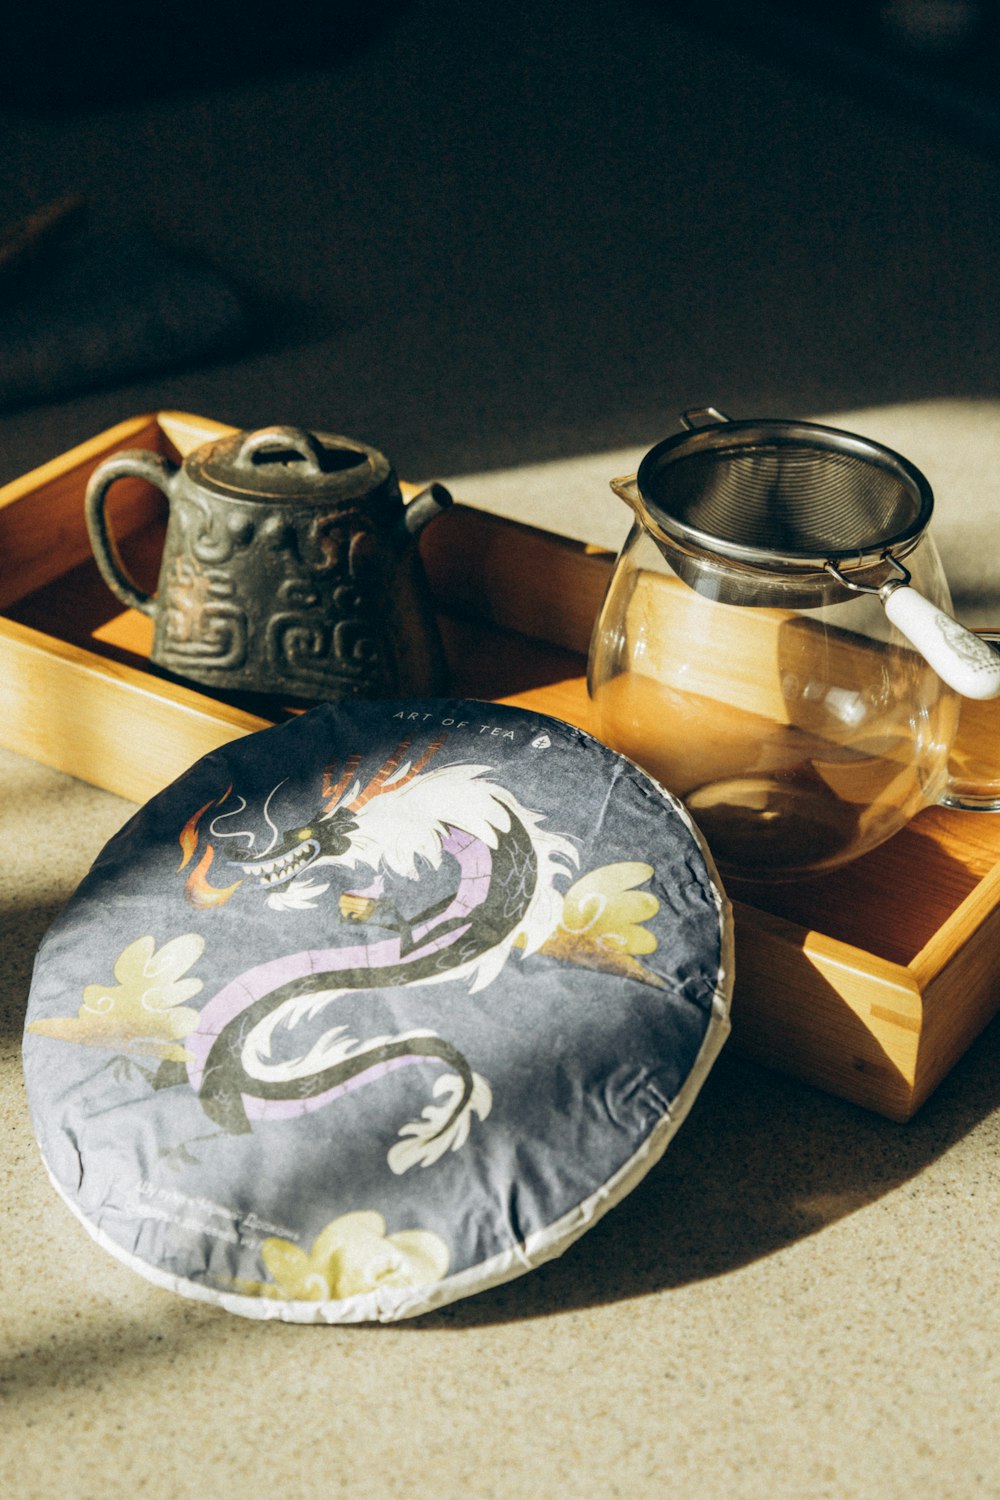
(407,823)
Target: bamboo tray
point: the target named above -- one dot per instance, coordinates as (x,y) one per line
(869,983)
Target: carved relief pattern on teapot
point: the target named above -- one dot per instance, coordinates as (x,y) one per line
(297,634)
(211,539)
(304,639)
(202,620)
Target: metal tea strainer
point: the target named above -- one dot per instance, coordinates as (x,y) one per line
(794,515)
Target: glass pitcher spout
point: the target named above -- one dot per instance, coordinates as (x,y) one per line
(627,489)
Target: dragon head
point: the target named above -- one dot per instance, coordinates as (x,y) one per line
(324,839)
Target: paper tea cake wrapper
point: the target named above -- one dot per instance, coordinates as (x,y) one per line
(376,1009)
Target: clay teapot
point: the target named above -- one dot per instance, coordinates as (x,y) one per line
(289,567)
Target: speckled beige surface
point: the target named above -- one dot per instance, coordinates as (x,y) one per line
(514,233)
(800,1301)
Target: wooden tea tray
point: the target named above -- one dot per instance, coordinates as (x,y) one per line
(869,983)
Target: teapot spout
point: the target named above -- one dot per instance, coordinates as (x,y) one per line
(424,506)
(627,489)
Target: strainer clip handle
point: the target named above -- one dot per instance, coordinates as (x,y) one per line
(703,416)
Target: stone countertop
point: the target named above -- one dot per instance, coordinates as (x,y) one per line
(496,235)
(800,1300)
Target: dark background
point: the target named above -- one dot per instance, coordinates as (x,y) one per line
(478,233)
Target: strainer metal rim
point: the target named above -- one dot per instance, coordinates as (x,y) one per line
(748,432)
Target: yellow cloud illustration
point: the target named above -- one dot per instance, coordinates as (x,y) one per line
(605,907)
(603,919)
(352,1255)
(143,1015)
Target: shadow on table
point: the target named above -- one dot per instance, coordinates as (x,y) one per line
(762,1162)
(111,55)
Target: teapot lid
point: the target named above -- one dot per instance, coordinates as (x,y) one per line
(289,464)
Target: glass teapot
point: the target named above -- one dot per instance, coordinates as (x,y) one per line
(775,646)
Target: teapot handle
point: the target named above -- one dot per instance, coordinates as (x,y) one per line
(131,463)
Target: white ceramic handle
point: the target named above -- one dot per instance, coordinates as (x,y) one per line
(961,659)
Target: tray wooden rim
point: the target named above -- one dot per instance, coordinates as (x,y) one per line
(872,1030)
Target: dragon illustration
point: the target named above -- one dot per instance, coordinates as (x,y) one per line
(242,1057)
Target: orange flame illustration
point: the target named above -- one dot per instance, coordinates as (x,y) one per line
(188,838)
(197,888)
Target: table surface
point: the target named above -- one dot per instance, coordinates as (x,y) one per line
(496,236)
(800,1300)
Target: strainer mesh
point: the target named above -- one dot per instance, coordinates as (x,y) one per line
(787,497)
